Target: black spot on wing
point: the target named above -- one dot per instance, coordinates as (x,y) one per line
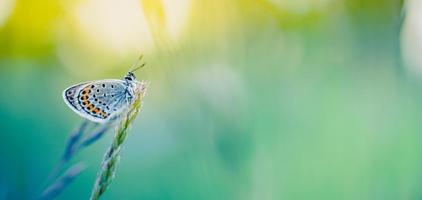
(107,94)
(71,96)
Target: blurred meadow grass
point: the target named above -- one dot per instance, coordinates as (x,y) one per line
(267,99)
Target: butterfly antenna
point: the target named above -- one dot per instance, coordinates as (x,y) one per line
(134,68)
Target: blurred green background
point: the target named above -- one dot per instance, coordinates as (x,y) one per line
(264,99)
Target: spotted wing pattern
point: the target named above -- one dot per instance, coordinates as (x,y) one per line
(97,100)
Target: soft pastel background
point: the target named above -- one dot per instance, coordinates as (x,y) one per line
(264,99)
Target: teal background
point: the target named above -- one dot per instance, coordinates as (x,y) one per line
(251,100)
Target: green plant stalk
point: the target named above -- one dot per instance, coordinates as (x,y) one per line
(112,156)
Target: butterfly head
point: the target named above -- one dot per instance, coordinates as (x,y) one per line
(130,77)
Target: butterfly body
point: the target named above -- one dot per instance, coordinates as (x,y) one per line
(101,100)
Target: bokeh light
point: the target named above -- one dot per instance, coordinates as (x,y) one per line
(6,8)
(411,38)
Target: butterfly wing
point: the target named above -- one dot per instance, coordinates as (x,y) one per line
(97,101)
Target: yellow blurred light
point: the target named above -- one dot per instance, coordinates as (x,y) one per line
(165,18)
(123,25)
(117,25)
(300,6)
(6,8)
(104,33)
(176,14)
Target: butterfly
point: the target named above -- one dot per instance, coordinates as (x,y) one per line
(102,100)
